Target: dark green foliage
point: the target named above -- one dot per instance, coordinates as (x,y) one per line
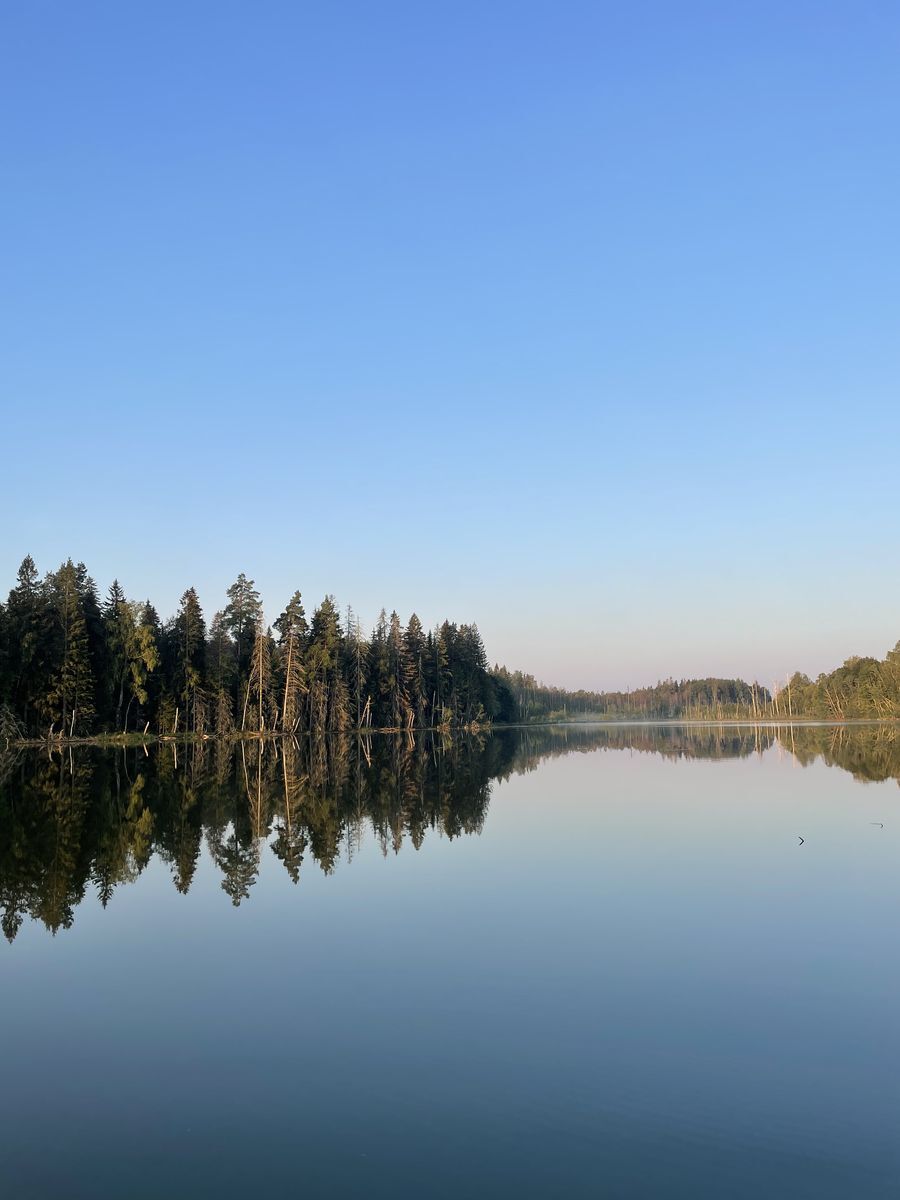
(71,666)
(290,664)
(70,698)
(189,642)
(117,667)
(241,616)
(29,617)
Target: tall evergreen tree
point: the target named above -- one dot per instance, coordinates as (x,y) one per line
(380,673)
(28,621)
(414,642)
(222,674)
(293,633)
(190,648)
(94,624)
(356,657)
(220,654)
(401,712)
(116,619)
(70,699)
(329,708)
(242,614)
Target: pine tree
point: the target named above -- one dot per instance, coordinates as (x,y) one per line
(259,682)
(293,634)
(241,615)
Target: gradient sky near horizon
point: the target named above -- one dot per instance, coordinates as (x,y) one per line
(578,320)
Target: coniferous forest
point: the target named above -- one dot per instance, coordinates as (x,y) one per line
(75,664)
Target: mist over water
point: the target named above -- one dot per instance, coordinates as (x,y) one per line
(592,960)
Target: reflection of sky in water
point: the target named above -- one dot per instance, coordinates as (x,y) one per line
(634,982)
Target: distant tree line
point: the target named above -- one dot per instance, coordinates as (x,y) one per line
(862,688)
(702,699)
(73,664)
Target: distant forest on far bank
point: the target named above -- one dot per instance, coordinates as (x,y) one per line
(73,664)
(863,688)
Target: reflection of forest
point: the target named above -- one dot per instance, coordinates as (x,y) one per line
(674,741)
(91,819)
(871,753)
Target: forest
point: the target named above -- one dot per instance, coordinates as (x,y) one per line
(76,665)
(688,699)
(860,689)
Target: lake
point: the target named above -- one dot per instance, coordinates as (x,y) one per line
(624,961)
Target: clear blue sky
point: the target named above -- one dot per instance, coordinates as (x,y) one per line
(579,320)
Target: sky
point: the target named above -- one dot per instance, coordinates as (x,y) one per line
(577,320)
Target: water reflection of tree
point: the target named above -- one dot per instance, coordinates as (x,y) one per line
(93,819)
(289,841)
(674,741)
(871,753)
(46,839)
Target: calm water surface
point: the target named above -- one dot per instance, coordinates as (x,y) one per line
(580,961)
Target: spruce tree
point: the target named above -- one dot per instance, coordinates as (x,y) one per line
(70,698)
(29,627)
(414,642)
(355,665)
(380,673)
(399,671)
(190,661)
(221,674)
(116,618)
(329,707)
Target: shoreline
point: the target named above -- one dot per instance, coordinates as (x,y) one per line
(115,740)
